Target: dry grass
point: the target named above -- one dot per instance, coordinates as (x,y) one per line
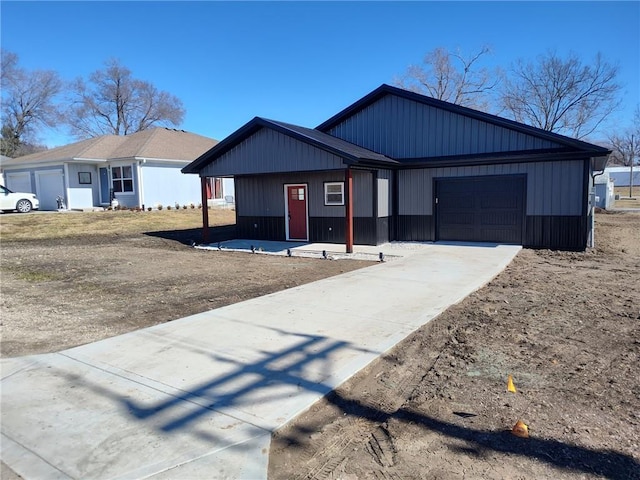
(624,191)
(125,222)
(624,201)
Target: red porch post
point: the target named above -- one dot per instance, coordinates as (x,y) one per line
(205,209)
(348,207)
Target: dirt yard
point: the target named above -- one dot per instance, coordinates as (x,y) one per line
(566,326)
(62,291)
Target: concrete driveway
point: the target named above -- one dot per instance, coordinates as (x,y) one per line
(199,397)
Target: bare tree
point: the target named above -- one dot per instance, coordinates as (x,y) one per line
(9,64)
(28,104)
(452,77)
(562,94)
(626,147)
(113,102)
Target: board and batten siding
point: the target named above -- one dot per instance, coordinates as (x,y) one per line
(269,151)
(264,195)
(402,128)
(553,188)
(166,185)
(82,195)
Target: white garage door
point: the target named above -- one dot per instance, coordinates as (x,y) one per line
(19,182)
(49,185)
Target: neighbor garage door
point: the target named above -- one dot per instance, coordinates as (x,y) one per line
(19,182)
(480,209)
(49,186)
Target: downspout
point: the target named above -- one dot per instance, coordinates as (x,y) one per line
(348,204)
(205,210)
(140,183)
(67,190)
(592,207)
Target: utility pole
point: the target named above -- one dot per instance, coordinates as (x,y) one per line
(633,157)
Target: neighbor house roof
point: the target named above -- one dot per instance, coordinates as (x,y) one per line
(156,143)
(384,89)
(349,151)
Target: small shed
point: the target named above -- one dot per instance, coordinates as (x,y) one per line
(604,191)
(396,165)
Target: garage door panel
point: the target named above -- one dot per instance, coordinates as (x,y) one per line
(499,200)
(458,232)
(454,219)
(464,201)
(480,209)
(19,182)
(50,185)
(508,219)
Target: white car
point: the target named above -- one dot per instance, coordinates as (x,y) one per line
(20,201)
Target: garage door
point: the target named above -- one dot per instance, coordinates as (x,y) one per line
(49,185)
(19,182)
(480,209)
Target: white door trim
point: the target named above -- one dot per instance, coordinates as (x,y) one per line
(286,209)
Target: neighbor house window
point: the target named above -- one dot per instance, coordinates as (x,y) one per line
(84,178)
(122,179)
(334,193)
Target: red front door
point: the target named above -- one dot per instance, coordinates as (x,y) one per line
(297,212)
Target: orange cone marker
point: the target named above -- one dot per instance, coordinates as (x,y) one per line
(520,429)
(510,386)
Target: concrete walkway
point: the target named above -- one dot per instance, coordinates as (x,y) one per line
(199,397)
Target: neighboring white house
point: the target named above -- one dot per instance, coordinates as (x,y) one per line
(142,169)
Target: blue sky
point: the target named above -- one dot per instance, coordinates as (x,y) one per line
(302,62)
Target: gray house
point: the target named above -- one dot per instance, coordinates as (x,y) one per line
(397,165)
(141,169)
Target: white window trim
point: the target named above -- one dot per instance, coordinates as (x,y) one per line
(112,179)
(326,201)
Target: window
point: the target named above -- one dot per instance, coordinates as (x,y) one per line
(122,179)
(84,178)
(297,193)
(334,193)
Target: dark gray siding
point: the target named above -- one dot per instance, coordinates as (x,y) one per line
(362,194)
(268,151)
(264,195)
(402,128)
(553,188)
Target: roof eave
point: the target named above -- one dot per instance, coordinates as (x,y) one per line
(223,146)
(492,159)
(253,126)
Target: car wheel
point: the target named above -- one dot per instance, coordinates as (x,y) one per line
(23,206)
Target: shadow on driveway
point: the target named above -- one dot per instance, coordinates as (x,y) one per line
(222,393)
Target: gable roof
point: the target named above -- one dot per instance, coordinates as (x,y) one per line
(385,89)
(156,143)
(350,152)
